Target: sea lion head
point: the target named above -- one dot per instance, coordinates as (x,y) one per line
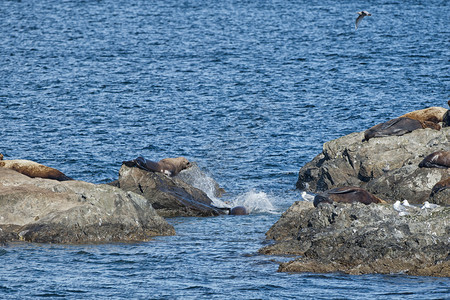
(183,162)
(239,211)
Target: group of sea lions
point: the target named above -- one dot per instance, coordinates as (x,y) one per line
(168,166)
(433,117)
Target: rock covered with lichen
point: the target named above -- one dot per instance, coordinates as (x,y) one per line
(50,211)
(387,167)
(360,239)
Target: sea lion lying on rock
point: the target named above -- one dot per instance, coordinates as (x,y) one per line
(168,166)
(398,126)
(441,185)
(438,159)
(346,195)
(33,169)
(431,114)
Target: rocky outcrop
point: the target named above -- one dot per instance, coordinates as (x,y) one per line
(170,196)
(360,239)
(44,210)
(388,167)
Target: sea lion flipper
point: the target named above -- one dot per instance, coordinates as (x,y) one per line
(148,165)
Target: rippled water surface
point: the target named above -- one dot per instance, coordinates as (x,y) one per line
(250,90)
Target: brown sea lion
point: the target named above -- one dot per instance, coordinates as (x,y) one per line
(397,126)
(238,211)
(168,166)
(33,169)
(346,195)
(438,159)
(431,114)
(441,185)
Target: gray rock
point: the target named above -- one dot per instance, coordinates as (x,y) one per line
(359,239)
(170,196)
(409,182)
(44,210)
(442,197)
(385,166)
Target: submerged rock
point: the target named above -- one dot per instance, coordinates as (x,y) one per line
(360,239)
(387,167)
(48,211)
(170,196)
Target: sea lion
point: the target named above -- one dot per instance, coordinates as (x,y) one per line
(432,114)
(441,185)
(346,195)
(238,211)
(397,126)
(33,169)
(438,159)
(168,166)
(446,118)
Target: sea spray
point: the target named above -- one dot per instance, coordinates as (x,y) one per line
(255,202)
(199,179)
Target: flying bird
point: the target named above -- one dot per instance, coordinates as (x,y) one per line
(361,14)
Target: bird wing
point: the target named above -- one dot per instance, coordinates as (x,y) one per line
(358,20)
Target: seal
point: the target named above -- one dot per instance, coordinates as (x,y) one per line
(168,166)
(238,211)
(431,114)
(439,186)
(33,169)
(438,159)
(346,195)
(397,126)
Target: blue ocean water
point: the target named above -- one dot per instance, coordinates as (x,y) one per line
(250,90)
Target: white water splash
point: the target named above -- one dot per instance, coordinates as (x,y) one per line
(198,179)
(255,202)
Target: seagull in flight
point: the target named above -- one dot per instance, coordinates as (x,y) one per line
(361,14)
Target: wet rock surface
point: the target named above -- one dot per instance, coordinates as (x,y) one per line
(359,239)
(387,167)
(44,210)
(170,196)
